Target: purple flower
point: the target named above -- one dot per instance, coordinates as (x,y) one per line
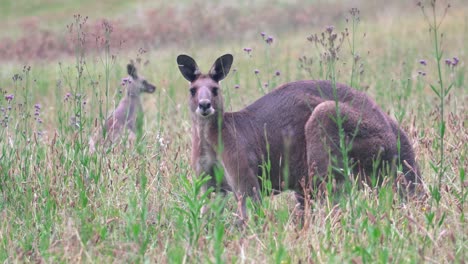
(256,71)
(248,50)
(448,62)
(421,73)
(423,62)
(269,40)
(263,34)
(266,85)
(37,106)
(9,97)
(236,86)
(329,29)
(455,61)
(126,80)
(277,73)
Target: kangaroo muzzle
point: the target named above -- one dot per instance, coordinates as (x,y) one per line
(205,108)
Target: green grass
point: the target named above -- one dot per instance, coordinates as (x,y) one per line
(59,203)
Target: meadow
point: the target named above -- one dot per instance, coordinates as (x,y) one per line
(61,68)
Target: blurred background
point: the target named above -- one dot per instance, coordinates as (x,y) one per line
(39,29)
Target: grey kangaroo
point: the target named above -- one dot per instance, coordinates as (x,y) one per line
(294,125)
(123,119)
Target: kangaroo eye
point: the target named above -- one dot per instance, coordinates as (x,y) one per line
(193,91)
(215,91)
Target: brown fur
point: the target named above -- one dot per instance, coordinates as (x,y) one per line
(123,119)
(296,121)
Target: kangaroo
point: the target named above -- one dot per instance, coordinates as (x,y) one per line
(124,117)
(293,125)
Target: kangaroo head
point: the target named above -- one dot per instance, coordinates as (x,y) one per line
(137,84)
(205,95)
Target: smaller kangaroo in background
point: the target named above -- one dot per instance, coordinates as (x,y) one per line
(124,118)
(293,129)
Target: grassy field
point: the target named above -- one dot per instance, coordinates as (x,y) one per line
(59,203)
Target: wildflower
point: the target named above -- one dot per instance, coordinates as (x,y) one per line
(421,73)
(265,85)
(248,50)
(277,73)
(37,106)
(269,40)
(455,61)
(67,96)
(423,62)
(263,34)
(256,71)
(9,97)
(126,80)
(236,86)
(448,62)
(329,29)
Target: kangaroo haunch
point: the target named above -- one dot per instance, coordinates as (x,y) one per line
(294,126)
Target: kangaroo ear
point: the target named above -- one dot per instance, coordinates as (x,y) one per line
(132,71)
(221,67)
(188,67)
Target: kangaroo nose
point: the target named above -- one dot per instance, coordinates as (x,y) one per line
(204,104)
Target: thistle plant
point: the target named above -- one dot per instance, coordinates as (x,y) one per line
(441,89)
(435,217)
(330,43)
